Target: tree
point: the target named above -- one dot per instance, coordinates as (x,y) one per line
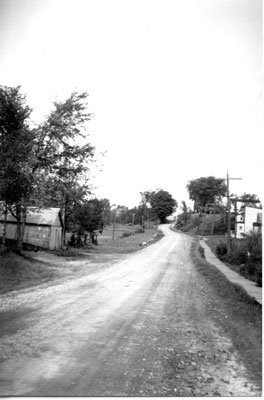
(251,200)
(16,144)
(162,204)
(59,159)
(206,190)
(145,206)
(185,212)
(88,217)
(47,164)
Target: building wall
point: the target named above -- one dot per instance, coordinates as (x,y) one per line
(245,222)
(10,230)
(240,229)
(251,216)
(46,237)
(37,236)
(55,238)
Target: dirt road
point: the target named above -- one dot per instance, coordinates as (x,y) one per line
(138,328)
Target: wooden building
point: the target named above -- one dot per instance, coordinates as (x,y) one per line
(43,228)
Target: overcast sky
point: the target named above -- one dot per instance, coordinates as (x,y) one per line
(175,86)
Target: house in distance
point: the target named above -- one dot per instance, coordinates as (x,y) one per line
(249,220)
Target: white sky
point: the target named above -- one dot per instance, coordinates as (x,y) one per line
(175,85)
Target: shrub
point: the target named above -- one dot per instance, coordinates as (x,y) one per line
(254,260)
(220,228)
(221,249)
(247,253)
(140,230)
(238,253)
(126,234)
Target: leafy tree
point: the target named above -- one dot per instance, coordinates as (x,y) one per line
(185,212)
(106,211)
(89,217)
(162,204)
(206,190)
(60,165)
(134,215)
(145,207)
(251,200)
(46,165)
(16,144)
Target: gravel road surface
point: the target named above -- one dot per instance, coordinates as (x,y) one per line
(137,328)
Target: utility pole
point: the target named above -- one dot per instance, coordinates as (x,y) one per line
(114,221)
(229,213)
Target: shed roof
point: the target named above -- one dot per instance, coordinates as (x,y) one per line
(39,216)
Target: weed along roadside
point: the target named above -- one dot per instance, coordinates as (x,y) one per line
(32,268)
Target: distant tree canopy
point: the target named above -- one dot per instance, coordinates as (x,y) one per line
(88,217)
(206,190)
(251,200)
(162,204)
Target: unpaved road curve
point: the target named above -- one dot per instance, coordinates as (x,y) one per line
(137,328)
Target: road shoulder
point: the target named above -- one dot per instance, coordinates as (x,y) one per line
(249,286)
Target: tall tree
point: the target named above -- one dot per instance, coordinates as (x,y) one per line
(206,190)
(251,200)
(16,144)
(88,217)
(107,218)
(145,205)
(57,152)
(162,204)
(62,153)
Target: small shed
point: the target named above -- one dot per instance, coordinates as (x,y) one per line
(43,227)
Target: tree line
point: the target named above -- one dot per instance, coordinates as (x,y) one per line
(155,205)
(47,165)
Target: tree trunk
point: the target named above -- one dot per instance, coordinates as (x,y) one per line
(65,222)
(18,232)
(24,217)
(4,227)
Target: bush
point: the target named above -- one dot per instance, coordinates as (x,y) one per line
(246,253)
(140,230)
(221,249)
(238,253)
(126,234)
(254,260)
(220,228)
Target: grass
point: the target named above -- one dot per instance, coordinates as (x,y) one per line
(18,272)
(222,285)
(127,244)
(236,313)
(32,268)
(214,241)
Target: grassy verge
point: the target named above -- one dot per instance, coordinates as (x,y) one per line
(126,239)
(237,314)
(223,286)
(32,268)
(245,257)
(18,272)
